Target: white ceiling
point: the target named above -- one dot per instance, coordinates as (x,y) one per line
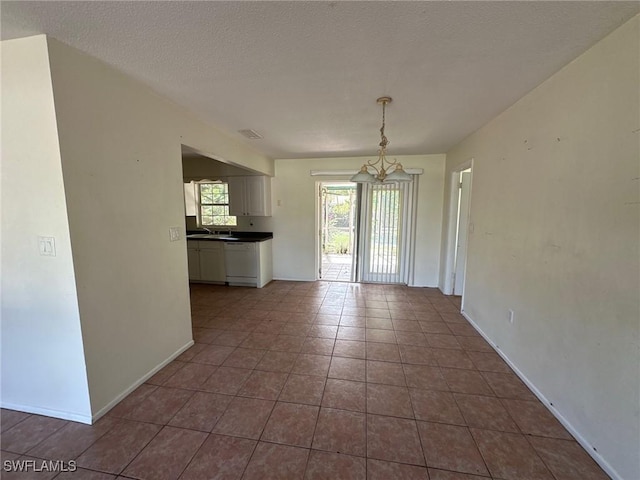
(306,75)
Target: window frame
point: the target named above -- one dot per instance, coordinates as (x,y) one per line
(200,204)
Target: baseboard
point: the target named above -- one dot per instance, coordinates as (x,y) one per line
(606,466)
(139,382)
(47,412)
(283,279)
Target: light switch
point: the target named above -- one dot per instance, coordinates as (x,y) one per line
(174,234)
(47,246)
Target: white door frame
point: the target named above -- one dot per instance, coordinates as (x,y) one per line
(318,225)
(462,234)
(449,267)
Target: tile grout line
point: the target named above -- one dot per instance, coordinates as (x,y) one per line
(233,320)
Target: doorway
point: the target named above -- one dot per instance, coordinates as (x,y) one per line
(338,210)
(462,232)
(365,231)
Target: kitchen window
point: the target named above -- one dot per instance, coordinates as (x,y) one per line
(213,205)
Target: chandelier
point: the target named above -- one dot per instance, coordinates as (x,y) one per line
(381,166)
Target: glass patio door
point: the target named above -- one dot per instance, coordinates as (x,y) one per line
(387,211)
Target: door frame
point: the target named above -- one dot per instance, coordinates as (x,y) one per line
(318,224)
(462,233)
(454,198)
(318,229)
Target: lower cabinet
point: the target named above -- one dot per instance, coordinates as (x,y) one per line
(240,263)
(206,261)
(193,259)
(212,262)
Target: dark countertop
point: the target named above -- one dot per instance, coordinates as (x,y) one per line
(233,237)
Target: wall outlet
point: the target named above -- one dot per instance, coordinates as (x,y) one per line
(174,234)
(510,316)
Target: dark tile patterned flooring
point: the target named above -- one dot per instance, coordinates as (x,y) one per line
(317,380)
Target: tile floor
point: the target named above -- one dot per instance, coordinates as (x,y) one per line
(317,381)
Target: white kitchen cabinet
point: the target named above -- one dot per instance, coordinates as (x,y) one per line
(250,196)
(190,203)
(206,261)
(193,259)
(212,262)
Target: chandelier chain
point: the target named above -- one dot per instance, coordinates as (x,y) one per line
(383,139)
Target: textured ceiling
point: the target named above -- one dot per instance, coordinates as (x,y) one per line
(306,75)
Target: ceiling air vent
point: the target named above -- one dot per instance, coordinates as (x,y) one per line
(252,134)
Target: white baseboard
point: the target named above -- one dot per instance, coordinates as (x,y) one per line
(282,279)
(606,466)
(325,280)
(47,412)
(139,382)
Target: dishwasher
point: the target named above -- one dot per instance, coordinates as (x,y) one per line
(241,263)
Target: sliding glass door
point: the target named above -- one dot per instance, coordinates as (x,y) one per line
(386,232)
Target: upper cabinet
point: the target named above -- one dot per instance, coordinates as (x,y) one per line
(250,196)
(190,204)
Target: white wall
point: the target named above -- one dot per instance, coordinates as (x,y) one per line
(43,364)
(120,146)
(122,163)
(556,228)
(294,214)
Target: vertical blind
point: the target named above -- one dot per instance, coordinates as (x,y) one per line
(386,233)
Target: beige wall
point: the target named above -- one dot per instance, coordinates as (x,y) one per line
(120,148)
(43,364)
(554,206)
(294,214)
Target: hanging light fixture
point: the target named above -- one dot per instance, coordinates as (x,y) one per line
(382,166)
